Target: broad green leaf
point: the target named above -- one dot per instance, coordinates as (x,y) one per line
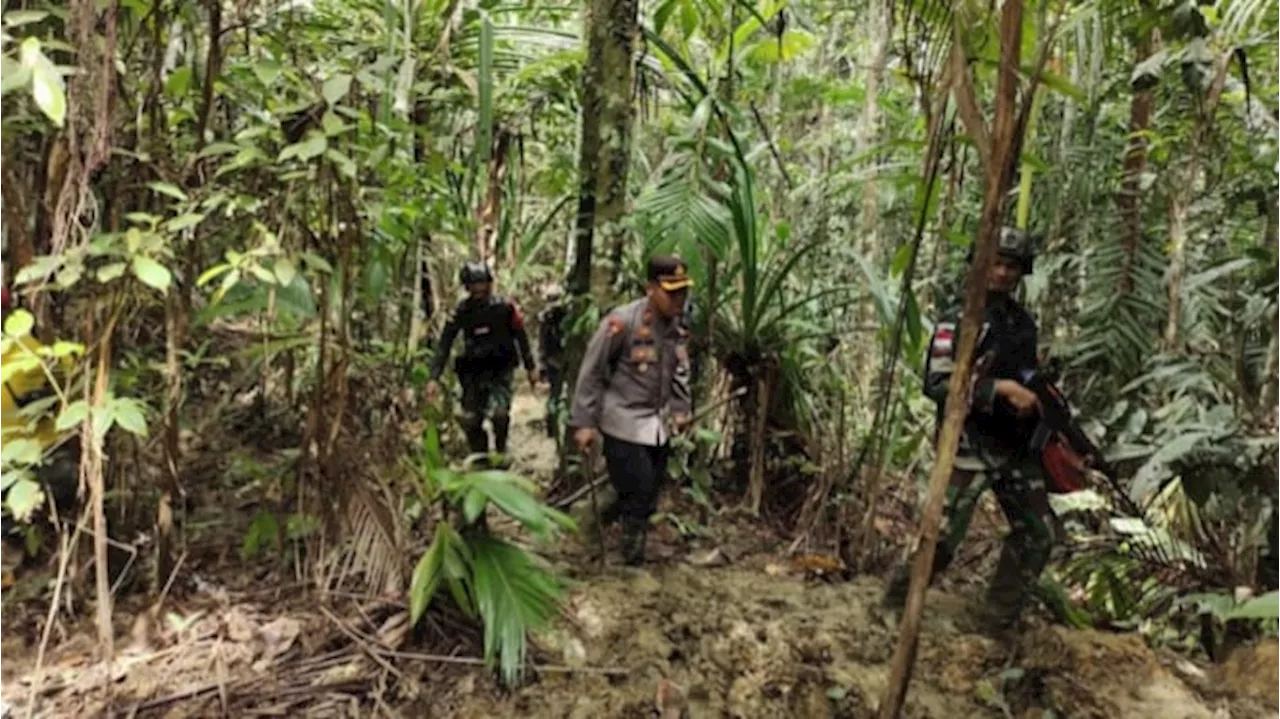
(267,71)
(63,349)
(313,146)
(1266,606)
(71,415)
(129,414)
(47,91)
(152,273)
(345,164)
(13,475)
(179,82)
(19,323)
(169,189)
(211,273)
(17,18)
(46,84)
(316,262)
(182,222)
(285,271)
(102,418)
(107,273)
(332,124)
(472,507)
(40,268)
(219,148)
(262,274)
(23,498)
(22,451)
(336,88)
(13,75)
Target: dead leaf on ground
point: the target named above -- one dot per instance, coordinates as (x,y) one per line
(279,635)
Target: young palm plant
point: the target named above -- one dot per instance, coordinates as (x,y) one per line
(510,591)
(758,320)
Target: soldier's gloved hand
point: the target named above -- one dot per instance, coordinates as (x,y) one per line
(680,422)
(433,390)
(1024,401)
(584,437)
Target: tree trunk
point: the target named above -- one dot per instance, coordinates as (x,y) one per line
(868,135)
(610,30)
(998,177)
(1129,200)
(1183,192)
(605,147)
(1271,366)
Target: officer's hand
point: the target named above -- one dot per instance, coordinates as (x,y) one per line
(1024,401)
(433,390)
(680,422)
(584,437)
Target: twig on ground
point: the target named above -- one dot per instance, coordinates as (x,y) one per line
(368,647)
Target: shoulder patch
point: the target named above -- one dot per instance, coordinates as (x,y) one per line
(517,319)
(944,336)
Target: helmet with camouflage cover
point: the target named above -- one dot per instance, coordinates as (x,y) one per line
(1015,244)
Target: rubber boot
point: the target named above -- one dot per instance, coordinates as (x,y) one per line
(1007,592)
(477,438)
(634,533)
(501,429)
(895,596)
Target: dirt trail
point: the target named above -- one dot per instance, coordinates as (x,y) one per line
(713,626)
(747,638)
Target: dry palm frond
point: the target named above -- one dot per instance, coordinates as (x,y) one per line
(374,543)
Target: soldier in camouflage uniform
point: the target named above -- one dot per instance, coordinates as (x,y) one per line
(551,354)
(994,452)
(494,343)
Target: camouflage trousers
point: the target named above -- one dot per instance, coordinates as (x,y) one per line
(486,395)
(1020,489)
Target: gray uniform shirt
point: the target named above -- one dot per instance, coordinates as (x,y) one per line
(634,377)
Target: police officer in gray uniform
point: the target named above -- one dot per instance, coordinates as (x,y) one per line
(633,388)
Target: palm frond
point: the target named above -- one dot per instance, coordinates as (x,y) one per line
(514,595)
(374,537)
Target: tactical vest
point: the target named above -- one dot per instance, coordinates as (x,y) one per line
(488,344)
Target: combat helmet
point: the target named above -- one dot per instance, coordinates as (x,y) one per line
(474,272)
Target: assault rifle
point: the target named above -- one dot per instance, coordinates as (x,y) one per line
(1064,448)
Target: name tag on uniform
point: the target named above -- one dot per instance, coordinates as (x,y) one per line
(482,330)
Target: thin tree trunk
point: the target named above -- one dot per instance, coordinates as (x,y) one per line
(998,177)
(1135,164)
(1271,366)
(604,147)
(1185,183)
(868,135)
(91,476)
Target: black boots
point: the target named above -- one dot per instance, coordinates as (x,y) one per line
(477,438)
(501,429)
(634,533)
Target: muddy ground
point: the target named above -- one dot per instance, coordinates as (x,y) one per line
(722,625)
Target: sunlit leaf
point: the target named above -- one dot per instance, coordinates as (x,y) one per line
(152,273)
(72,415)
(336,88)
(285,271)
(19,323)
(182,222)
(23,498)
(112,271)
(169,189)
(130,414)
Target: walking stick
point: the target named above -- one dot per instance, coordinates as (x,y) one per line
(593,467)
